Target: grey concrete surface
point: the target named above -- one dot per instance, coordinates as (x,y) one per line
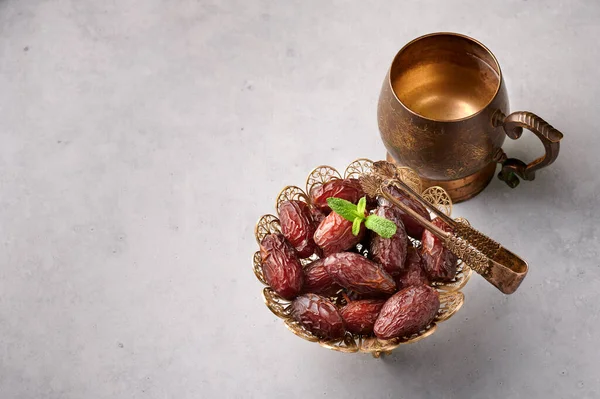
(140,141)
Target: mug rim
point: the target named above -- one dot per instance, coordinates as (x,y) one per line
(475,41)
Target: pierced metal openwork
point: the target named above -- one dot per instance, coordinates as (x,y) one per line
(451,298)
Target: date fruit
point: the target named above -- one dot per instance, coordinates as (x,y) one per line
(439,263)
(318,315)
(281,266)
(413,228)
(334,234)
(297,226)
(317,280)
(390,252)
(356,273)
(348,189)
(317,216)
(413,273)
(359,316)
(407,312)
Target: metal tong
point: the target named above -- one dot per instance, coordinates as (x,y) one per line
(502,268)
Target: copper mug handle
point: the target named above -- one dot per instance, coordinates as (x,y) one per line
(513,125)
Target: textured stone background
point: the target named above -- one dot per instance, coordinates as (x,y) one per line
(141,139)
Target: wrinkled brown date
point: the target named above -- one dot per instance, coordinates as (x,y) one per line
(390,252)
(360,316)
(318,315)
(413,228)
(356,273)
(281,266)
(348,189)
(317,216)
(317,280)
(297,226)
(334,234)
(439,263)
(407,312)
(413,273)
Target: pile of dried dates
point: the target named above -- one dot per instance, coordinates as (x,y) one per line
(385,282)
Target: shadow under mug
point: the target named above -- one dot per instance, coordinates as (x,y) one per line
(443,111)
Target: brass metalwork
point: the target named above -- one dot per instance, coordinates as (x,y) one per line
(291,193)
(267,224)
(450,304)
(358,168)
(439,196)
(441,112)
(500,267)
(257,267)
(275,303)
(319,175)
(412,179)
(550,137)
(451,297)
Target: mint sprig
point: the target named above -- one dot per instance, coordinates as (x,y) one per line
(361,207)
(356,226)
(345,209)
(382,226)
(356,214)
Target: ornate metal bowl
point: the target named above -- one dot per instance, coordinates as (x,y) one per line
(451,298)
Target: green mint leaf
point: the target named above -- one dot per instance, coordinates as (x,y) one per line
(384,227)
(361,206)
(356,226)
(345,209)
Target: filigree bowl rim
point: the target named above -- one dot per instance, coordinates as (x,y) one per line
(451,296)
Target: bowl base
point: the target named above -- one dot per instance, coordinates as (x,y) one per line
(464,188)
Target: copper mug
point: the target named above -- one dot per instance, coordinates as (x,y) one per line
(443,111)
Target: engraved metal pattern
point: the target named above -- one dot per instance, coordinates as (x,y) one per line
(480,241)
(424,333)
(550,137)
(533,122)
(268,224)
(462,220)
(347,344)
(411,178)
(378,346)
(357,168)
(469,254)
(439,198)
(257,267)
(418,147)
(450,303)
(319,175)
(300,331)
(386,169)
(279,306)
(275,303)
(290,193)
(436,147)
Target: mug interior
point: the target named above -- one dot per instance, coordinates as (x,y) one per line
(445,77)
